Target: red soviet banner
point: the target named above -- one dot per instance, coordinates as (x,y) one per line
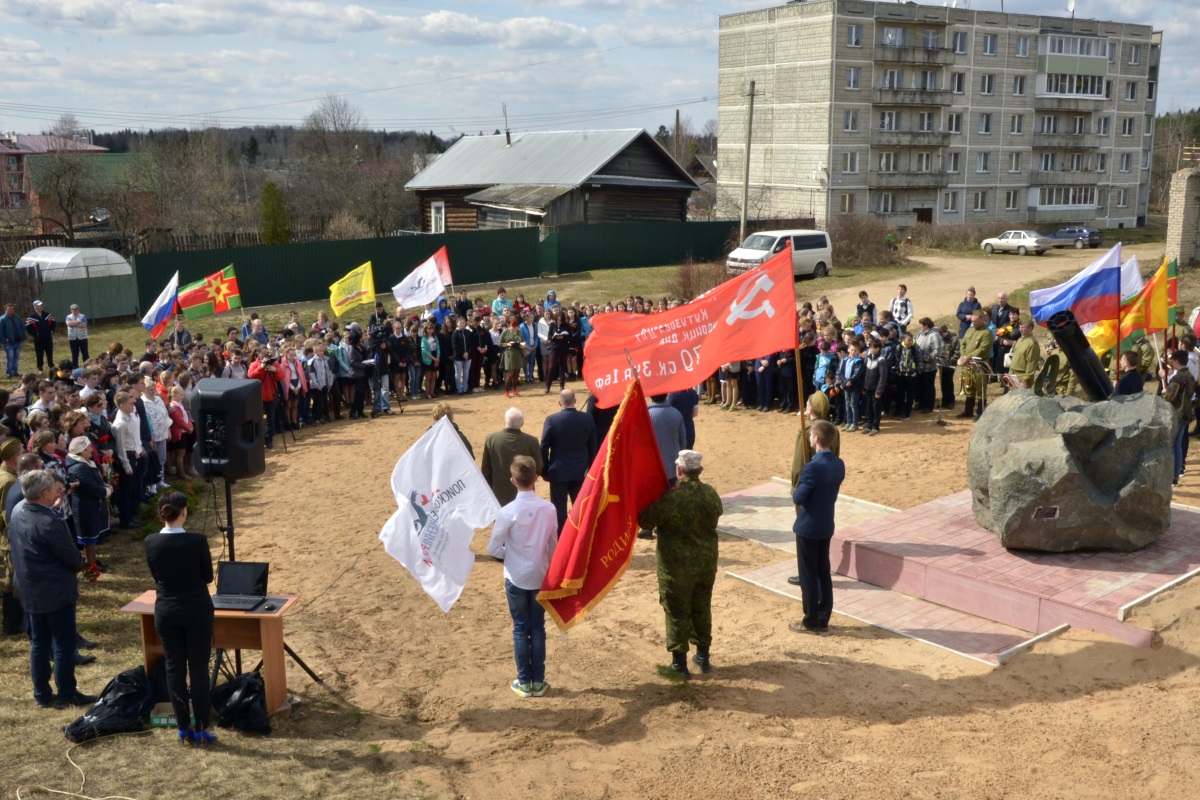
(746,317)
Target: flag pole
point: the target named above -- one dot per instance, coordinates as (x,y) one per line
(1118,326)
(803,402)
(1159,360)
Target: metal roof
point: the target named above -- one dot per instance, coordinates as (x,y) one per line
(68,263)
(522,197)
(546,158)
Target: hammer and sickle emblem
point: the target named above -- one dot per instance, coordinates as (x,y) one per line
(746,294)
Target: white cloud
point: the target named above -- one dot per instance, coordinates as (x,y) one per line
(455,29)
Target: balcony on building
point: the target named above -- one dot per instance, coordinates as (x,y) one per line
(1057,102)
(906,179)
(911,97)
(1060,215)
(1063,177)
(1067,141)
(917,55)
(882,138)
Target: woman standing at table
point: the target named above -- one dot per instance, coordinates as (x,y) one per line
(183,613)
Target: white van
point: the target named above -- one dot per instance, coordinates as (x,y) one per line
(812,253)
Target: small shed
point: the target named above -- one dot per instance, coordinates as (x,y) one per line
(99,280)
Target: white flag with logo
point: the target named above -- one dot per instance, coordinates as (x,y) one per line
(423,285)
(443,500)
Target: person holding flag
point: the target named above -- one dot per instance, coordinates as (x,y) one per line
(686,522)
(524,537)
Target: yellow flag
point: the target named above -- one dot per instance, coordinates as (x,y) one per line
(356,289)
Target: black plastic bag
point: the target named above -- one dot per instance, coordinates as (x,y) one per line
(122,708)
(242,704)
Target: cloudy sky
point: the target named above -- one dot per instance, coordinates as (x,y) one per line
(446,67)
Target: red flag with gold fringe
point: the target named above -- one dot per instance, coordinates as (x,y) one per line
(596,542)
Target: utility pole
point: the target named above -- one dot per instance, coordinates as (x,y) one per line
(746,170)
(677,134)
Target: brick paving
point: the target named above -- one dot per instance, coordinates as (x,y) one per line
(934,554)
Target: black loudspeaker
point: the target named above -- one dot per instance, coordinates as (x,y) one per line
(228,414)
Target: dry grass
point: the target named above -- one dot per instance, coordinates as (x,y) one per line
(692,279)
(860,241)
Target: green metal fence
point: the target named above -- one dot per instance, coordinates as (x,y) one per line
(271,275)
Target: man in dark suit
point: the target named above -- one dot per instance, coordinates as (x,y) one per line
(815,497)
(499,450)
(568,448)
(1131,380)
(1001,310)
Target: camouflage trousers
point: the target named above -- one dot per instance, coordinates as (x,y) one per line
(686,597)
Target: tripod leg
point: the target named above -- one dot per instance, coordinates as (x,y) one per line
(288,649)
(220,654)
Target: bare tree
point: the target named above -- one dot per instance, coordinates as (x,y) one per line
(199,184)
(1172,133)
(334,131)
(64,179)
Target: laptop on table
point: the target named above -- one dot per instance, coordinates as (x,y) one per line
(241,585)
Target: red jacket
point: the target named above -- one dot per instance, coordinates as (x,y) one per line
(270,387)
(180,425)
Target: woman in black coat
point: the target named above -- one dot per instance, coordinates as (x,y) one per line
(183,614)
(89,497)
(356,355)
(559,339)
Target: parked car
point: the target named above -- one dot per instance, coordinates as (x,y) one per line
(1077,236)
(812,252)
(1019,242)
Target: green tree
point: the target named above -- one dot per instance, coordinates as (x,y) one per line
(274,224)
(252,151)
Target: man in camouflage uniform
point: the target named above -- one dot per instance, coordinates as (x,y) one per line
(686,521)
(1065,382)
(946,364)
(1026,356)
(977,343)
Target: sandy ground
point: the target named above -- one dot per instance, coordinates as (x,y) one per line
(860,713)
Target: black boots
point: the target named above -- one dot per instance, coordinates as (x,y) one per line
(968,408)
(679,664)
(701,660)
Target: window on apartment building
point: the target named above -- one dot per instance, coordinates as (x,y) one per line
(850,163)
(1018,86)
(985,123)
(1048,162)
(1148,126)
(889,120)
(950,202)
(928,80)
(987,84)
(1122,197)
(893,79)
(1100,162)
(1131,90)
(989,44)
(1127,126)
(925,122)
(1022,47)
(980,201)
(961,41)
(954,122)
(958,82)
(853,77)
(952,161)
(1018,124)
(1103,125)
(1014,162)
(1056,45)
(1145,159)
(1076,162)
(850,121)
(847,203)
(1079,126)
(1110,49)
(924,162)
(885,203)
(887,162)
(1049,123)
(930,40)
(893,37)
(1067,196)
(1135,54)
(1126,162)
(983,162)
(1010,199)
(853,37)
(1151,89)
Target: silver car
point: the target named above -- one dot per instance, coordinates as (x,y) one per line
(1019,242)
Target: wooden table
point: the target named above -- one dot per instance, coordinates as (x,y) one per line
(232,630)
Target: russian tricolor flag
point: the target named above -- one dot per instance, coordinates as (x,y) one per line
(159,315)
(1093,295)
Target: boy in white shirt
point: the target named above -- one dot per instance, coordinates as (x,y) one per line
(524,537)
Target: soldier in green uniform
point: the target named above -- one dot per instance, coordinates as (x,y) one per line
(976,343)
(1066,383)
(686,521)
(1026,356)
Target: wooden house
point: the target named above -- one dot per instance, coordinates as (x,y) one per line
(551,179)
